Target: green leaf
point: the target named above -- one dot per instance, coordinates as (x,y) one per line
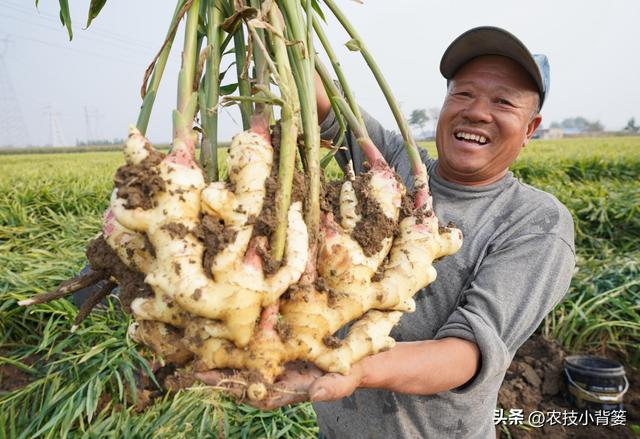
(223,73)
(228,89)
(94,9)
(353,45)
(316,7)
(65,17)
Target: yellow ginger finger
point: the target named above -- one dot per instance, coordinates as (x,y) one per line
(387,191)
(368,336)
(296,256)
(162,339)
(309,315)
(348,203)
(137,148)
(264,357)
(224,262)
(128,244)
(410,266)
(249,163)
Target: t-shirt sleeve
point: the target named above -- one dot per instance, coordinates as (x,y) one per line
(389,143)
(516,285)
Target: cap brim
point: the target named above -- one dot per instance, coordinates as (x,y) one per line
(488,40)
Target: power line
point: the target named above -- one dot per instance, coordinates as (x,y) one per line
(12,126)
(86,52)
(32,13)
(120,46)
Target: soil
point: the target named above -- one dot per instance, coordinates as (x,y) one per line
(215,237)
(139,183)
(374,226)
(534,381)
(176,230)
(330,198)
(407,206)
(102,258)
(12,377)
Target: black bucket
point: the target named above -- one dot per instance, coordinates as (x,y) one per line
(595,383)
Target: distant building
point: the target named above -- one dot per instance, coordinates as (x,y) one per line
(550,133)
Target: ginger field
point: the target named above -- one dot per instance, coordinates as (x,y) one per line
(54,383)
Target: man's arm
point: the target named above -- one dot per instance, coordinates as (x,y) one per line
(417,368)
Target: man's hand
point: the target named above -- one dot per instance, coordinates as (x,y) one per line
(418,368)
(333,386)
(289,388)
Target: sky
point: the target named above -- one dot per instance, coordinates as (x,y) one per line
(53,91)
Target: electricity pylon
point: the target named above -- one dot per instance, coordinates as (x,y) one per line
(13,130)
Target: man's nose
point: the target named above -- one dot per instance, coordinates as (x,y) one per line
(479,110)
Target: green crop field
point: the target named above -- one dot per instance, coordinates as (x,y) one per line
(82,384)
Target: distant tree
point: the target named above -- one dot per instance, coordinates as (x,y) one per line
(579,124)
(631,126)
(419,118)
(594,127)
(434,114)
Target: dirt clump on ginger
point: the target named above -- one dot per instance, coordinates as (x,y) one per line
(266,223)
(374,226)
(535,382)
(330,198)
(299,187)
(215,237)
(407,207)
(176,230)
(139,183)
(132,285)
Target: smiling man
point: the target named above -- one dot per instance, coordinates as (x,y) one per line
(442,378)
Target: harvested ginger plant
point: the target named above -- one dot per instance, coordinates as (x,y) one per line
(189,250)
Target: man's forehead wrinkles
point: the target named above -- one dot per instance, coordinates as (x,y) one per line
(496,88)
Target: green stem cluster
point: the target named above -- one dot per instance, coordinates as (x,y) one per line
(280,49)
(419,171)
(288,131)
(209,108)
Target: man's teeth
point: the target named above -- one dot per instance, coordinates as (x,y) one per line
(468,136)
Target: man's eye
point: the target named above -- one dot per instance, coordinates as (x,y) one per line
(465,94)
(503,101)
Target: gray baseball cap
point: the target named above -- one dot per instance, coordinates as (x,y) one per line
(490,40)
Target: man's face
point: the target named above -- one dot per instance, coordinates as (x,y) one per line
(488,116)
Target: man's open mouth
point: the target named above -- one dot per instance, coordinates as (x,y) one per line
(470,137)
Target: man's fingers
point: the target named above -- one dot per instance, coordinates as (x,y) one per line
(332,386)
(279,400)
(223,381)
(210,377)
(289,388)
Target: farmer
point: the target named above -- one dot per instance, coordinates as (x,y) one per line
(441,380)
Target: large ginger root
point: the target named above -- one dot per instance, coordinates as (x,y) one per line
(219,310)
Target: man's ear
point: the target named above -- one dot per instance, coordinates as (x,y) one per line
(533,124)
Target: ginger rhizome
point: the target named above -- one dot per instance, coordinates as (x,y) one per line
(251,273)
(218,311)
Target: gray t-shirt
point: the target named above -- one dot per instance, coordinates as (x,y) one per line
(515,264)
